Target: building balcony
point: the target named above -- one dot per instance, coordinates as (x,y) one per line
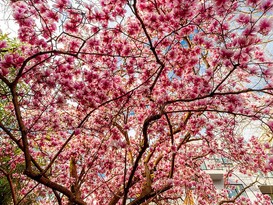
(214,167)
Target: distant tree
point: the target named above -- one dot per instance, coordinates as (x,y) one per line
(10,165)
(116,102)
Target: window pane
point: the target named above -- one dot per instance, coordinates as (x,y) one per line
(235,189)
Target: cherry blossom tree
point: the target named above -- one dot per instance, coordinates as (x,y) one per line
(120,102)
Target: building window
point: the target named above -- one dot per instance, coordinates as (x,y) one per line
(235,189)
(226,161)
(269,175)
(203,166)
(212,164)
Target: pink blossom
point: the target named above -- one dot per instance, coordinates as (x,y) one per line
(270,124)
(77,131)
(61,4)
(265,26)
(253,2)
(243,19)
(267,145)
(4,71)
(266,4)
(3,44)
(220,2)
(226,53)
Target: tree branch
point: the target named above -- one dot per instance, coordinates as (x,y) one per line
(141,152)
(161,64)
(144,198)
(239,194)
(8,176)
